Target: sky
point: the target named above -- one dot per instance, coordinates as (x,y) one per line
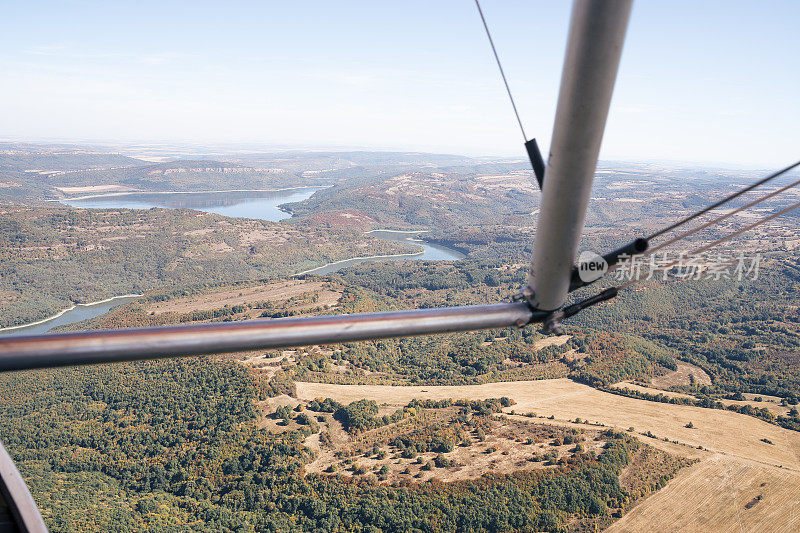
(699,81)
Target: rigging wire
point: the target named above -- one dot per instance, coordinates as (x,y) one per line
(712,222)
(613,291)
(719,241)
(502,73)
(723,217)
(723,201)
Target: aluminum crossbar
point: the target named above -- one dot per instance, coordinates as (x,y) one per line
(108,346)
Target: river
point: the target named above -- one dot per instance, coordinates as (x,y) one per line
(264,205)
(69,316)
(430,252)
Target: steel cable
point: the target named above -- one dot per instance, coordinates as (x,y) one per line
(719,241)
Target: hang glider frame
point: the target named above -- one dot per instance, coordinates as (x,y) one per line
(597,32)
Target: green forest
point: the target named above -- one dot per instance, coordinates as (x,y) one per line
(172,446)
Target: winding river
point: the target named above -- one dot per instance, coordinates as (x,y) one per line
(264,205)
(76,313)
(429,252)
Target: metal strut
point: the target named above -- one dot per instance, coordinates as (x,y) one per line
(18,511)
(537,162)
(636,247)
(596,35)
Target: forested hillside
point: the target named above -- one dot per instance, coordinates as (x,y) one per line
(53,257)
(173,446)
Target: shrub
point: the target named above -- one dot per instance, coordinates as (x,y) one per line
(409,453)
(441,461)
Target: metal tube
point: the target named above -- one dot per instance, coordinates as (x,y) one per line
(18,498)
(67,349)
(594,47)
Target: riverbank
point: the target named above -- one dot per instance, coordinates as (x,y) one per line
(409,231)
(360,258)
(245,205)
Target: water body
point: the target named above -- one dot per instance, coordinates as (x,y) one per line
(264,206)
(243,204)
(69,316)
(239,204)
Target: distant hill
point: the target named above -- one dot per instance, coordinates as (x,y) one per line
(184,175)
(45,160)
(38,171)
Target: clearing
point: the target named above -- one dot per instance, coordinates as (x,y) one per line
(504,445)
(554,340)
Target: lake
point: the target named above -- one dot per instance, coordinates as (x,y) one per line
(239,204)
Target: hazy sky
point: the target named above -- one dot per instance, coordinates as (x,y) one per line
(699,81)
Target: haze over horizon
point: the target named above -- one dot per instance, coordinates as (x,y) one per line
(698,82)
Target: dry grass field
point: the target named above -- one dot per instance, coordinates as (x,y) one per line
(279,291)
(723,487)
(719,431)
(721,494)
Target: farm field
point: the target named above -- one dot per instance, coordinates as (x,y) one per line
(727,494)
(734,460)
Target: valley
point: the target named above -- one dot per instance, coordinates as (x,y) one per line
(675,391)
